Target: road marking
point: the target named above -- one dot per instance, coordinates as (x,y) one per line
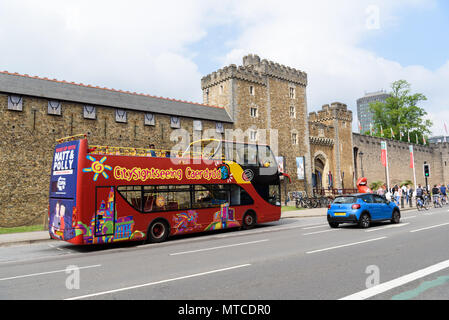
(316,227)
(384,287)
(431,227)
(158,282)
(48,272)
(388,227)
(220,247)
(345,245)
(318,232)
(411,217)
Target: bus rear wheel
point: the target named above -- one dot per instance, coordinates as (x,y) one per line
(158,231)
(249,220)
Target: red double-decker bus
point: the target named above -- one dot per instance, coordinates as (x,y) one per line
(102,194)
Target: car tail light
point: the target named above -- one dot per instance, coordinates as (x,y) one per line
(356,206)
(329,206)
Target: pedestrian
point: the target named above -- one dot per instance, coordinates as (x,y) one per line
(388,195)
(397,195)
(152,151)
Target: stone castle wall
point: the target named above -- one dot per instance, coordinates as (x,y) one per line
(28,138)
(437,156)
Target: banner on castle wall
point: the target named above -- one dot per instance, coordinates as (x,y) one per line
(300,168)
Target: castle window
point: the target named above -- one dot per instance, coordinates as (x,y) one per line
(197,125)
(292,112)
(54,108)
(253,112)
(207,96)
(219,127)
(292,93)
(121,116)
(221,89)
(90,112)
(294,138)
(175,122)
(15,103)
(149,119)
(251,90)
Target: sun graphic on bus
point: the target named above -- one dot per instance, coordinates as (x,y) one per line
(98,167)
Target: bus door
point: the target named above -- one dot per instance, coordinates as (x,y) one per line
(105,211)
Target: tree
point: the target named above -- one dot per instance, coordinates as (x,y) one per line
(401,113)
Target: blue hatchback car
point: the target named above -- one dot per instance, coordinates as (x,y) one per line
(362,209)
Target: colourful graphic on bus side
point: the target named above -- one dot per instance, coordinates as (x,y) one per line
(225,218)
(98,167)
(186,222)
(102,228)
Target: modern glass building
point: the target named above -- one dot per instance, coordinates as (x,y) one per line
(364,114)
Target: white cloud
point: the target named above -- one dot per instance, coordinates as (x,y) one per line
(145,46)
(323,39)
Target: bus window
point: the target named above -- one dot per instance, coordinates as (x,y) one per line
(274,195)
(239,197)
(166,198)
(251,156)
(133,195)
(209,196)
(266,157)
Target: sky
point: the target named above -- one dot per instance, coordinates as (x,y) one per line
(346,47)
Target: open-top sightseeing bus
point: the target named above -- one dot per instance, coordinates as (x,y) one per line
(102,194)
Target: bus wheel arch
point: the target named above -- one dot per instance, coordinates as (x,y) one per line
(158,231)
(249,220)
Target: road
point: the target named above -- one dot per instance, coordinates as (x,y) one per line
(291,259)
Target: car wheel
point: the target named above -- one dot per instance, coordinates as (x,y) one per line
(334,225)
(364,221)
(396,218)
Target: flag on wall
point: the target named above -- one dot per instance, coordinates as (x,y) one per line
(408,136)
(381,131)
(383,156)
(360,127)
(412,160)
(392,133)
(424,140)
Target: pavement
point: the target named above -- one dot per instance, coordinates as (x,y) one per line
(39,236)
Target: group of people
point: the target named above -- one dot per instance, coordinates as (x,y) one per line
(153,152)
(438,193)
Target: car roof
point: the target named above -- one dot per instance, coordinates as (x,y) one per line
(353,195)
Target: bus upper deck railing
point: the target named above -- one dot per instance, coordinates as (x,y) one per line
(138,152)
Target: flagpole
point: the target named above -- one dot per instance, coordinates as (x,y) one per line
(386,168)
(384,145)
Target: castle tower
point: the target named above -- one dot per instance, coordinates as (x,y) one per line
(331,142)
(260,96)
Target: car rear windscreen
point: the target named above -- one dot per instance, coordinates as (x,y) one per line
(345,200)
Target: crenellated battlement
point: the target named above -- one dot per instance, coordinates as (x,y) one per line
(334,111)
(255,70)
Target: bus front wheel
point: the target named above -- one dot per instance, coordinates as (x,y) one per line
(158,231)
(249,220)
